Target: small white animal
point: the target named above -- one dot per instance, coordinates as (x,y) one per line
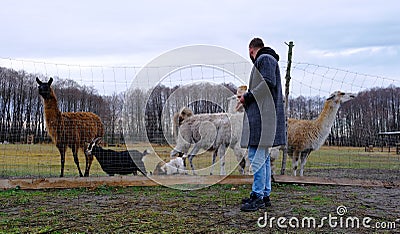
(174,166)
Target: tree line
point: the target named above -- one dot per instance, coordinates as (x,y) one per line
(148,114)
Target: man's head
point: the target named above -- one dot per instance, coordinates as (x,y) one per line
(255,45)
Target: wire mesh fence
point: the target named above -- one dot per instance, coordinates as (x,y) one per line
(357,146)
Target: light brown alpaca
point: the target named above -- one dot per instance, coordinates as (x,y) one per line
(305,136)
(69,129)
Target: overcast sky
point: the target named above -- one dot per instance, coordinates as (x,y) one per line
(357,35)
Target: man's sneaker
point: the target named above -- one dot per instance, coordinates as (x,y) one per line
(253,205)
(249,199)
(267,201)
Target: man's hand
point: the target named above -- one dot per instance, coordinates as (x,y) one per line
(241,99)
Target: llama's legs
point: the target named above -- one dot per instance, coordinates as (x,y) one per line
(248,164)
(272,158)
(76,160)
(274,155)
(221,152)
(214,156)
(289,155)
(272,168)
(184,161)
(304,157)
(241,157)
(193,153)
(191,163)
(295,161)
(242,166)
(61,149)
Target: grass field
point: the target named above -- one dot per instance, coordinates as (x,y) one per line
(210,210)
(43,160)
(214,209)
(353,157)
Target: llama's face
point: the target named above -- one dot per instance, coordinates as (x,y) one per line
(44,88)
(184,114)
(339,97)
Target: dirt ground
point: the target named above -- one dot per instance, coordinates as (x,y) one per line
(210,210)
(351,173)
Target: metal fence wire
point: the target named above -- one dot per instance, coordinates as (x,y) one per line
(363,140)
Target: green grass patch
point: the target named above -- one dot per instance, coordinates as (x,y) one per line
(320,200)
(305,211)
(43,160)
(159,209)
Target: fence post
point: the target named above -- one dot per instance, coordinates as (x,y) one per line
(287,78)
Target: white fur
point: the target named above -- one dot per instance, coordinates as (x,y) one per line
(212,131)
(174,166)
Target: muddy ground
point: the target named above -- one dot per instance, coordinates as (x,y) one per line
(383,175)
(211,210)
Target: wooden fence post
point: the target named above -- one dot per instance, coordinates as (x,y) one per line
(287,78)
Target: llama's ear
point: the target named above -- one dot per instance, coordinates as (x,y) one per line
(50,81)
(38,81)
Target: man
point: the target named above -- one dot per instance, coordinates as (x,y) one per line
(264,122)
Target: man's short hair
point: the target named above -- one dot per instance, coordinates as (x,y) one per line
(256,43)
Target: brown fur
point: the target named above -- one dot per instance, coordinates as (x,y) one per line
(305,136)
(70,129)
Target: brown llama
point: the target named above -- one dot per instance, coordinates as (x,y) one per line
(305,136)
(69,129)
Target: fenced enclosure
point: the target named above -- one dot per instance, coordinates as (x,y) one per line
(354,149)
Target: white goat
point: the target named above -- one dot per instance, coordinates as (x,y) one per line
(305,136)
(174,166)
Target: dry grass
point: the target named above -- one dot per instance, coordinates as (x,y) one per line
(43,160)
(329,157)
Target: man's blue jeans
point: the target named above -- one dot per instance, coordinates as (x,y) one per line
(260,163)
